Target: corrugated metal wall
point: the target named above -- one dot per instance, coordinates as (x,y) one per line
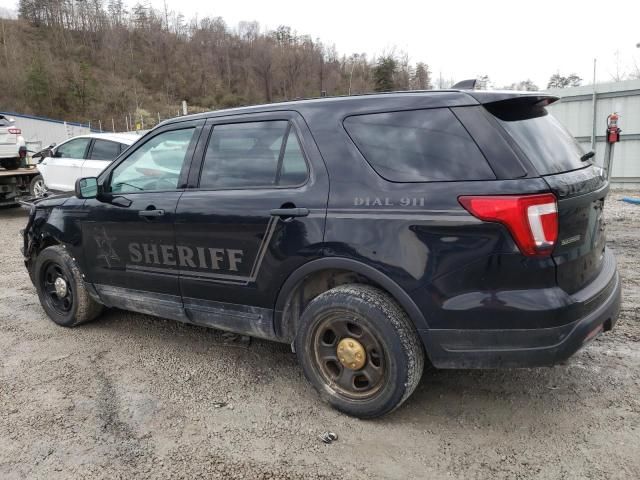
(40,132)
(575,111)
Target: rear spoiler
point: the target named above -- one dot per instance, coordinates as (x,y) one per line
(518,106)
(539,99)
(528,98)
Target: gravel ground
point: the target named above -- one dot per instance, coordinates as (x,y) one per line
(132,396)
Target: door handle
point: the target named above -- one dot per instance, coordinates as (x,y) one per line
(151,213)
(289,212)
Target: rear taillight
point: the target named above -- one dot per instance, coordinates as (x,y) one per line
(531,219)
(15,131)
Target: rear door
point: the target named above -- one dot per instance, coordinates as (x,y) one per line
(579,186)
(61,171)
(102,153)
(255,214)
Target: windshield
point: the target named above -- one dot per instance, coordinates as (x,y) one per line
(546,143)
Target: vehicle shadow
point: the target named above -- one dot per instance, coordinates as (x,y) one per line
(444,398)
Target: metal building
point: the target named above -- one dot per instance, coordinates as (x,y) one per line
(40,132)
(575,110)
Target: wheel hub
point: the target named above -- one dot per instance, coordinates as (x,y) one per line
(61,287)
(351,354)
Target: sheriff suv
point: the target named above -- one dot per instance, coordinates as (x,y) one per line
(373,233)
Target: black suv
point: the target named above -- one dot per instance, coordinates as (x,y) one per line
(366,231)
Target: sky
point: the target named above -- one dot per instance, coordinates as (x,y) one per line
(509,41)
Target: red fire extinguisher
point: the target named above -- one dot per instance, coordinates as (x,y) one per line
(613,132)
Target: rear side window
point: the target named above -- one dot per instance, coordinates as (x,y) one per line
(253,154)
(104,150)
(543,139)
(418,146)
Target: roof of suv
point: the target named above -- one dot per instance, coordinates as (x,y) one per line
(126,138)
(437,98)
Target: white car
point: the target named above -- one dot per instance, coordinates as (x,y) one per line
(12,144)
(82,156)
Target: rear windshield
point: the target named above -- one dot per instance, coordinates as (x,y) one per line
(418,146)
(546,143)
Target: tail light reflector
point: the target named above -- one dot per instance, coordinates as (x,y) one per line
(532,220)
(15,131)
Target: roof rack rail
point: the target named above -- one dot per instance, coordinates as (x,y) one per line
(466,85)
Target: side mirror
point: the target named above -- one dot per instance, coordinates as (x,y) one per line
(87,187)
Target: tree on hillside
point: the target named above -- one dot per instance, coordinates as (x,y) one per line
(559,81)
(108,59)
(383,74)
(421,77)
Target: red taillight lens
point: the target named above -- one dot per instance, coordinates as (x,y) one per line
(531,219)
(15,131)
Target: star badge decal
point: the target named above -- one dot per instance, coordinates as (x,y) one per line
(106,252)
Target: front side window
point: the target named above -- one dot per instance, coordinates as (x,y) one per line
(104,150)
(254,154)
(155,165)
(73,148)
(418,146)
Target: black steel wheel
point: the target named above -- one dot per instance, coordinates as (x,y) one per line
(348,355)
(57,288)
(359,349)
(61,289)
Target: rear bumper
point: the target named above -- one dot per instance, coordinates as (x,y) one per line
(499,348)
(9,150)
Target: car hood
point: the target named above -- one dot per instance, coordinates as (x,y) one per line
(53,200)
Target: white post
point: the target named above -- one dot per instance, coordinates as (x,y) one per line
(184,107)
(100,125)
(113,125)
(593,110)
(126,122)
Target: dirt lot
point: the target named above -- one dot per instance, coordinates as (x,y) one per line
(131,396)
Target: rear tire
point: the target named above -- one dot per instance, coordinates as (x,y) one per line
(37,188)
(10,163)
(61,289)
(359,349)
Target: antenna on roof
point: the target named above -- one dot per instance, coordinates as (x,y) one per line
(466,85)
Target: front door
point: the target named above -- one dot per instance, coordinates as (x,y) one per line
(65,166)
(257,212)
(130,240)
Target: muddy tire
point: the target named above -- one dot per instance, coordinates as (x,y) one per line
(37,187)
(61,289)
(10,163)
(359,349)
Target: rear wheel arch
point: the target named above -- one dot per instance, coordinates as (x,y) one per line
(319,276)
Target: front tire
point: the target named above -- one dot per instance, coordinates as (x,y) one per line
(61,289)
(359,349)
(37,188)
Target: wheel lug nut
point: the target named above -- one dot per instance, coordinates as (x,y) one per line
(351,344)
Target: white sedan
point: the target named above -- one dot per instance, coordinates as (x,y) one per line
(83,156)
